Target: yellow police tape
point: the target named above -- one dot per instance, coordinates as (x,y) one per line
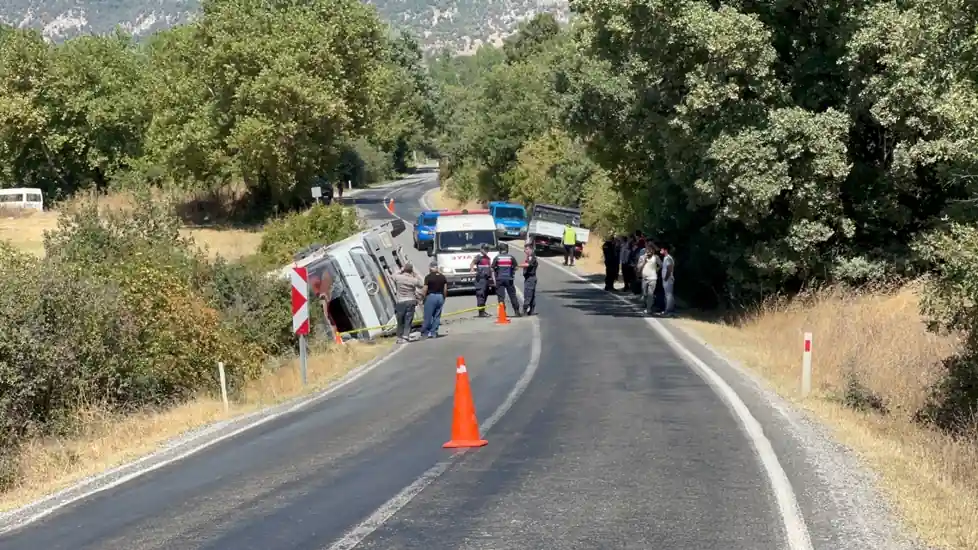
(413,322)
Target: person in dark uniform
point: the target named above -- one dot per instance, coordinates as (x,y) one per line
(504,268)
(482,266)
(529,281)
(610,251)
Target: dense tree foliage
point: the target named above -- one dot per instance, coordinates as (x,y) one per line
(772,144)
(122,312)
(268,94)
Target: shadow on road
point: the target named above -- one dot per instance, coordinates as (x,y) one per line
(592,302)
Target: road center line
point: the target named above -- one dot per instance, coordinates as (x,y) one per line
(796,531)
(355,536)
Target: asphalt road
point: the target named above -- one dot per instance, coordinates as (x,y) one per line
(615,442)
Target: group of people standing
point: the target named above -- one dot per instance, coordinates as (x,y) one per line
(411,291)
(647,269)
(501,271)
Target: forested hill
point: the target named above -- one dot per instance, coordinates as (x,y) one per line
(452,24)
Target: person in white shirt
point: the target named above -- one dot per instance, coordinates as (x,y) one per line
(668,278)
(649,269)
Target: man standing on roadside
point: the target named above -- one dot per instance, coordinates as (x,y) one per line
(407,284)
(668,279)
(529,281)
(504,270)
(570,244)
(650,275)
(482,266)
(625,259)
(434,301)
(610,252)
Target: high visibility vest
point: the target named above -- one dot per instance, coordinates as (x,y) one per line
(570,236)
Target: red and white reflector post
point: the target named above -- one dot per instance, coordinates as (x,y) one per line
(300,312)
(806,366)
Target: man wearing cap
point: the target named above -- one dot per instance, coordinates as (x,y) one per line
(434,300)
(504,269)
(482,266)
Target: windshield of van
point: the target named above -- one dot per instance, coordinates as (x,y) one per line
(509,213)
(557,216)
(465,241)
(429,221)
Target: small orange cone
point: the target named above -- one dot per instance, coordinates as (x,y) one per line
(465,426)
(390,206)
(501,318)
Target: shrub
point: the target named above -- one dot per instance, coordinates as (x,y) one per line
(320,224)
(123,313)
(950,303)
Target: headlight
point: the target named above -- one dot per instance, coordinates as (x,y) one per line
(500,227)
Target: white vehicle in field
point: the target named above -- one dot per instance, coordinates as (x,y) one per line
(22,197)
(546,228)
(351,279)
(459,237)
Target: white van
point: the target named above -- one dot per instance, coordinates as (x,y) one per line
(458,239)
(22,197)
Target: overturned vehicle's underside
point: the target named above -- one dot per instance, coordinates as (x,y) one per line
(352,280)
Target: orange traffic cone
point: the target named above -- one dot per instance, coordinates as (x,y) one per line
(501,318)
(390,206)
(465,426)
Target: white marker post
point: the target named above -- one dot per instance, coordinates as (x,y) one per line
(806,366)
(317,193)
(224,386)
(300,313)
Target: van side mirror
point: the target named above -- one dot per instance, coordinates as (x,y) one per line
(508,248)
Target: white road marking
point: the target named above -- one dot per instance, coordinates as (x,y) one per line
(351,377)
(355,536)
(794,524)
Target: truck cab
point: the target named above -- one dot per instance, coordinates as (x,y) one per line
(510,219)
(424,229)
(458,239)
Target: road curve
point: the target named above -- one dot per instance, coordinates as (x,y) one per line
(615,443)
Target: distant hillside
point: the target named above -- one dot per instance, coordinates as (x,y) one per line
(459,26)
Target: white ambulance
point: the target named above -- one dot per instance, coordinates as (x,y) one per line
(459,237)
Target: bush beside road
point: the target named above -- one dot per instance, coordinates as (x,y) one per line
(117,326)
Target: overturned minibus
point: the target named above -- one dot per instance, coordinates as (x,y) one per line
(352,280)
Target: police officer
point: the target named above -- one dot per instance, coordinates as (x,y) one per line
(529,281)
(504,268)
(482,266)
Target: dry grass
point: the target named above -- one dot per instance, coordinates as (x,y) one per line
(107,441)
(25,230)
(440,200)
(880,342)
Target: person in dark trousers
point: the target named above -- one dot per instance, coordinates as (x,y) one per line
(610,251)
(634,260)
(407,284)
(482,266)
(504,269)
(529,281)
(434,301)
(625,258)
